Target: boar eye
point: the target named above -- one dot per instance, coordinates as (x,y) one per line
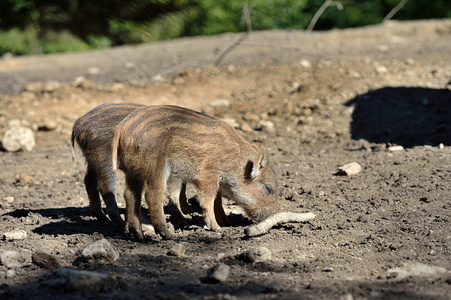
(267,189)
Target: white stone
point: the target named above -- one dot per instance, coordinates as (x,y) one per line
(232,122)
(16,234)
(305,63)
(18,138)
(395,148)
(93,71)
(101,250)
(350,169)
(266,125)
(416,269)
(10,259)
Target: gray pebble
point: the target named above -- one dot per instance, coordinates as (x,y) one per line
(177,250)
(45,260)
(10,259)
(259,254)
(219,273)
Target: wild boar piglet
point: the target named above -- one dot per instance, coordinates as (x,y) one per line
(160,146)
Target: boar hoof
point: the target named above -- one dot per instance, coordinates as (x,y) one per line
(134,233)
(102,218)
(116,218)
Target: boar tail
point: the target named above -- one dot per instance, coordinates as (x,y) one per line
(115,145)
(73,145)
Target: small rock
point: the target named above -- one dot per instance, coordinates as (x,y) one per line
(10,273)
(441,146)
(251,117)
(116,87)
(273,287)
(266,125)
(354,74)
(14,235)
(35,87)
(45,260)
(410,61)
(51,86)
(305,63)
(381,69)
(24,179)
(81,280)
(256,255)
(10,259)
(232,122)
(93,71)
(217,107)
(328,269)
(129,65)
(18,138)
(82,82)
(346,297)
(158,78)
(395,148)
(245,127)
(350,169)
(231,68)
(48,125)
(101,250)
(9,199)
(416,269)
(219,273)
(177,250)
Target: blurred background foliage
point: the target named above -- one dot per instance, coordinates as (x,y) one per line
(48,26)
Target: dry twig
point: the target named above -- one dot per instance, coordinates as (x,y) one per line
(281,217)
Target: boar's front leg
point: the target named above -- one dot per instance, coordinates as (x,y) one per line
(132,196)
(155,196)
(208,192)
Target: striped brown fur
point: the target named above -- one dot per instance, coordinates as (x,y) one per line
(166,145)
(94,132)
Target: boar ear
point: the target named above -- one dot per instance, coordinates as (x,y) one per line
(254,168)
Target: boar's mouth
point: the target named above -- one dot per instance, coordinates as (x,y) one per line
(262,214)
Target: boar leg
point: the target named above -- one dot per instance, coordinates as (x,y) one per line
(132,195)
(186,209)
(156,186)
(220,215)
(178,204)
(95,205)
(208,192)
(106,189)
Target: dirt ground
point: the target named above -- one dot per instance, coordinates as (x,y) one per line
(316,101)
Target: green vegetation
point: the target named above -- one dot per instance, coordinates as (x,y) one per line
(48,26)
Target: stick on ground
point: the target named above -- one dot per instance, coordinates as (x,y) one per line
(281,217)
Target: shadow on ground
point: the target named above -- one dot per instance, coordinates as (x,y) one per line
(403,116)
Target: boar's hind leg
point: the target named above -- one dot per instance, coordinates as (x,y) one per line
(106,189)
(95,205)
(132,196)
